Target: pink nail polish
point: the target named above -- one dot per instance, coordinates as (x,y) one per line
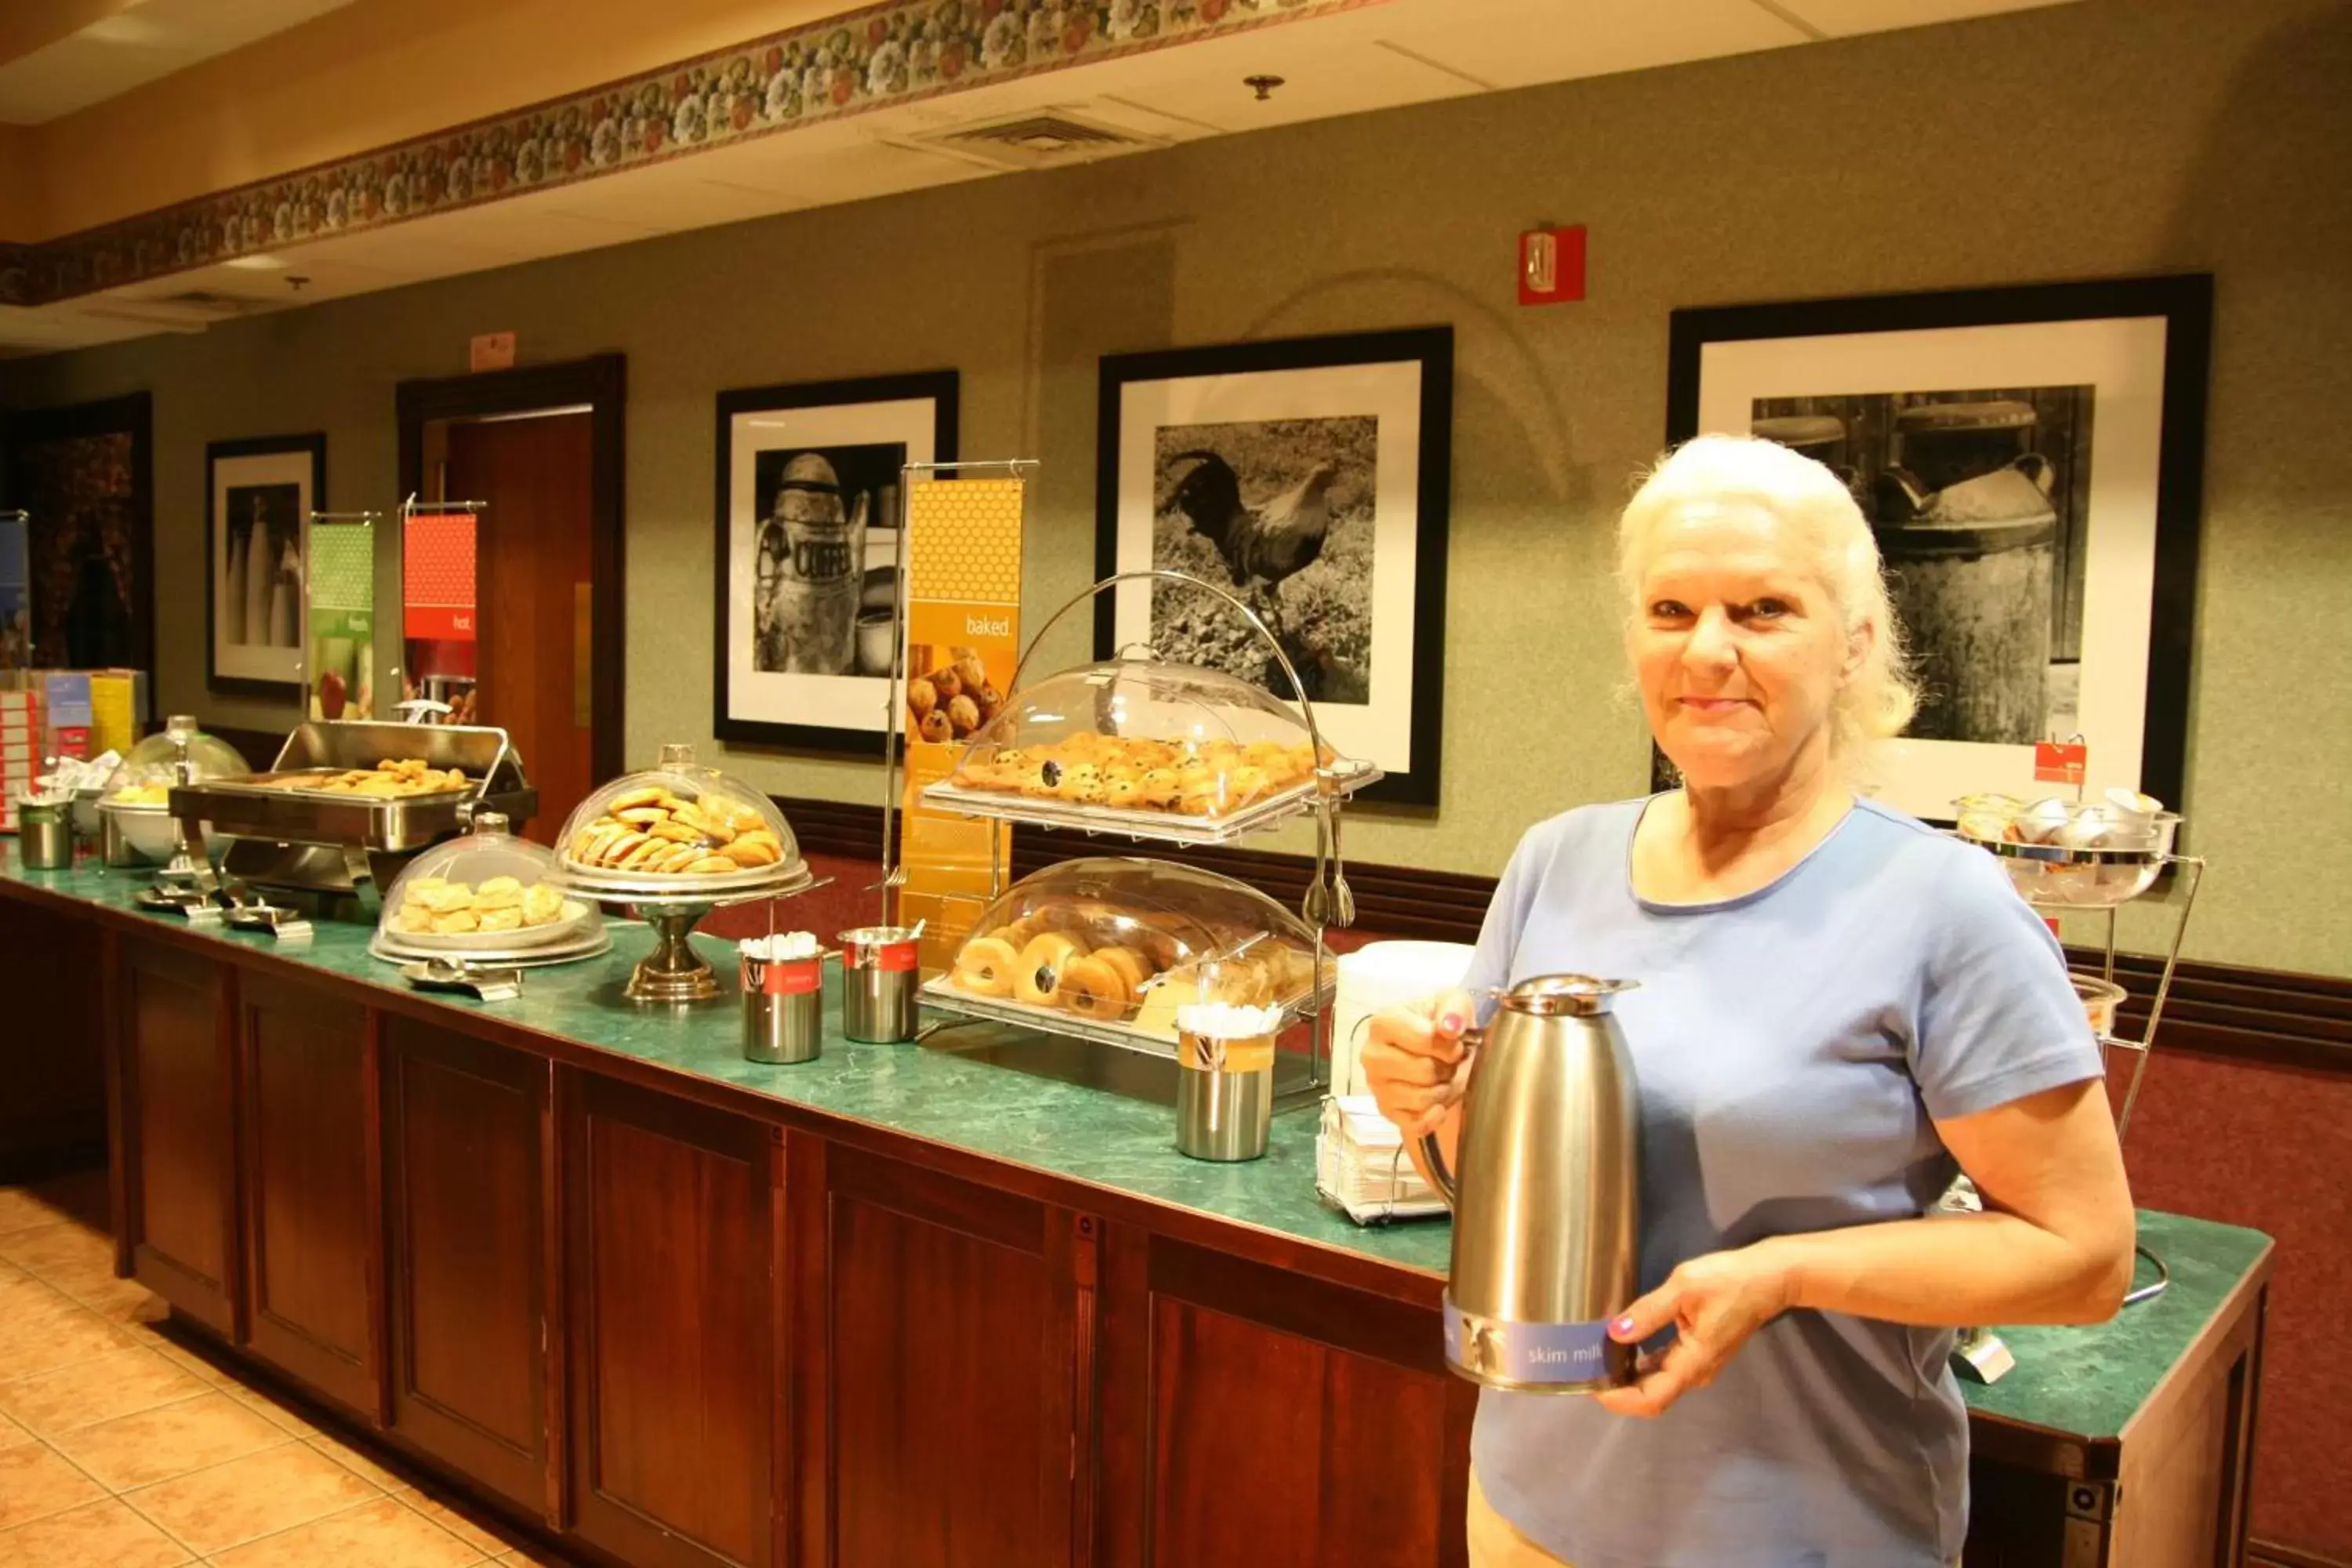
(1621,1326)
(1451,1022)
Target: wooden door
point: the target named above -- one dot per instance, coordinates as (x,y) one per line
(532,663)
(671,1261)
(1252,1415)
(938,1368)
(464,1195)
(178,1089)
(53,1110)
(312,1208)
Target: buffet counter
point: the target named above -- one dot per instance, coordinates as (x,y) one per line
(903,1304)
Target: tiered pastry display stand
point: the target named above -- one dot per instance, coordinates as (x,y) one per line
(1327,901)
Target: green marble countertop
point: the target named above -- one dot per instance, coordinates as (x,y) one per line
(2083,1381)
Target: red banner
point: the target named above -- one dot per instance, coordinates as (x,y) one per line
(438,577)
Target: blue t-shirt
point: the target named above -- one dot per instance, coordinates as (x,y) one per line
(1791,1047)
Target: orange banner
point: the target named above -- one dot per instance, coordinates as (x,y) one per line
(963,639)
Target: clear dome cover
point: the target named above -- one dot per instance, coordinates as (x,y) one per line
(1139,734)
(678,827)
(1123,941)
(2058,852)
(177,753)
(487,889)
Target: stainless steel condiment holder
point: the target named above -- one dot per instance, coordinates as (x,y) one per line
(784,1009)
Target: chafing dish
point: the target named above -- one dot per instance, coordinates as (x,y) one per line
(287,832)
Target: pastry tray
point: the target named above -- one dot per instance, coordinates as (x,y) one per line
(596,945)
(778,881)
(943,994)
(1153,826)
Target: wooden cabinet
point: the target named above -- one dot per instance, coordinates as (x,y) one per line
(313,1210)
(671,1299)
(463,1139)
(177,1088)
(935,1368)
(1252,1415)
(52,1078)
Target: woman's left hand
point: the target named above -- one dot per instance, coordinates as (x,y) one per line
(1713,1303)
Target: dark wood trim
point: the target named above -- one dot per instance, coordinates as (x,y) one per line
(599,381)
(132,414)
(315,442)
(121,1155)
(943,388)
(561,1104)
(2235,1013)
(379,1276)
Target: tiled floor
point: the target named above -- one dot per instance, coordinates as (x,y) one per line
(119,1447)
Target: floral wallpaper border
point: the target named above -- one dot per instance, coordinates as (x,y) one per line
(881,56)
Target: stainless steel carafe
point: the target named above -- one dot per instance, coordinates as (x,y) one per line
(1547,1201)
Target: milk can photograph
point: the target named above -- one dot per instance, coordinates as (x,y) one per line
(1980,502)
(260,495)
(807,501)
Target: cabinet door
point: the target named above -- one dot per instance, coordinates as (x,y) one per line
(464,1194)
(1256,1416)
(312,1208)
(53,1110)
(670,1302)
(179,1098)
(934,1372)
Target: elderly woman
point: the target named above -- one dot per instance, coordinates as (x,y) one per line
(1838,1010)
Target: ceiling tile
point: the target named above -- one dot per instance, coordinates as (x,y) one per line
(145,40)
(1841,19)
(1524,44)
(1323,75)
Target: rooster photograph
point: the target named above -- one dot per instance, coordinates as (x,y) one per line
(1279,512)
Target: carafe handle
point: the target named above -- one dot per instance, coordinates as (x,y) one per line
(1433,1156)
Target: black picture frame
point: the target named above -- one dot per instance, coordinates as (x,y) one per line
(729,722)
(311,444)
(2183,302)
(1431,351)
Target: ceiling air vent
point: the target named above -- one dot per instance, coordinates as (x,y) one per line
(1044,141)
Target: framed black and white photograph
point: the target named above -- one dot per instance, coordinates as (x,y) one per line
(2031,459)
(260,495)
(1309,479)
(808,517)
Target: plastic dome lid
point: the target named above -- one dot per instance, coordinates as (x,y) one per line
(1122,939)
(1139,733)
(178,753)
(488,889)
(678,827)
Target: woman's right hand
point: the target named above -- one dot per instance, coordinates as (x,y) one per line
(1413,1060)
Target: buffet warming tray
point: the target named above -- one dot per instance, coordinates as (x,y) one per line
(285,832)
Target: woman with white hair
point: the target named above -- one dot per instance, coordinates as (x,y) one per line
(1838,1010)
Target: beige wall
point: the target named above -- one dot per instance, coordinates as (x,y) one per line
(2102,139)
(362,77)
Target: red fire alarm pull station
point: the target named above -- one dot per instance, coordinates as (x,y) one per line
(1552,266)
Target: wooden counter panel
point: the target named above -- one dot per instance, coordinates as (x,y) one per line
(1248,1419)
(179,1084)
(309,1210)
(53,1108)
(947,1372)
(463,1190)
(670,1302)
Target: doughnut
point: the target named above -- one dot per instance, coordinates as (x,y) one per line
(1038,975)
(1132,966)
(986,966)
(1092,988)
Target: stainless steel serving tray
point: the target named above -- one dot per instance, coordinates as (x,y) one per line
(275,806)
(1154,826)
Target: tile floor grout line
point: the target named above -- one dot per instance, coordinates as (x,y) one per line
(104,1491)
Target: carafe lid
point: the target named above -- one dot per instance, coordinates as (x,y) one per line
(1569,995)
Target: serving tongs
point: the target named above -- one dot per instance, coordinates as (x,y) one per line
(484,981)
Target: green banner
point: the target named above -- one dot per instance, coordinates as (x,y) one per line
(342,620)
